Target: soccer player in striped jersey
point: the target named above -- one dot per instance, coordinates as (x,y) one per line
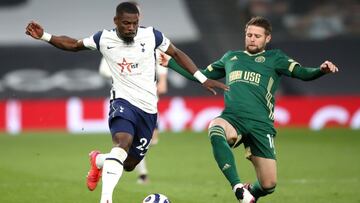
(253,76)
(129,51)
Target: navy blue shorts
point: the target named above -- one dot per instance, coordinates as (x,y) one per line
(125,117)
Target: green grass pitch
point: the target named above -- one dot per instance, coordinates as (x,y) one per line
(318,167)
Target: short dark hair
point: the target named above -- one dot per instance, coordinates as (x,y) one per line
(127,7)
(260,22)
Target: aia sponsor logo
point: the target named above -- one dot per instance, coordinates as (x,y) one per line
(127,66)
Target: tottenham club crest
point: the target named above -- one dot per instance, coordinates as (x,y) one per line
(143,47)
(260,59)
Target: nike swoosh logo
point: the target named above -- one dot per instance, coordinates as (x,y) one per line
(111,173)
(109,47)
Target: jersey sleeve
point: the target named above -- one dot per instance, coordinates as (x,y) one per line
(307,73)
(176,67)
(93,42)
(161,42)
(216,70)
(284,64)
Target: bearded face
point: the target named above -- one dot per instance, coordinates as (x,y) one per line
(127,25)
(256,39)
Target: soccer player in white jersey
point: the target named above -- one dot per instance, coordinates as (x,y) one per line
(162,73)
(129,51)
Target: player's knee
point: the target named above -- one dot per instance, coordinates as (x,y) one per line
(217,122)
(212,123)
(222,128)
(268,184)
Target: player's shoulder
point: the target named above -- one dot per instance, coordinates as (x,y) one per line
(109,30)
(275,52)
(145,29)
(142,30)
(146,33)
(106,32)
(232,53)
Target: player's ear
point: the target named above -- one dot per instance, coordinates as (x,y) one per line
(116,20)
(268,38)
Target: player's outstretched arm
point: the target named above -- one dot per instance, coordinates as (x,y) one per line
(184,61)
(308,73)
(36,31)
(167,61)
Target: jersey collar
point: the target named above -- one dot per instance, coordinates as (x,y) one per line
(246,52)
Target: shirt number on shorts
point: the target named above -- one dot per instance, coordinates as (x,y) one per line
(271,140)
(143,146)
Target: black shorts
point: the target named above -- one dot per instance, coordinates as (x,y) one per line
(125,117)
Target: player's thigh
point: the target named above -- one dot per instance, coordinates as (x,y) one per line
(122,131)
(230,132)
(155,137)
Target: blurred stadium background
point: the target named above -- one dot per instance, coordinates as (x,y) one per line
(34,75)
(46,94)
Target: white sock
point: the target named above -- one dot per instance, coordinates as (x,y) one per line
(112,171)
(100,158)
(141,167)
(239,185)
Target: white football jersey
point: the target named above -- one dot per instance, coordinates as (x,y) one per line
(133,67)
(105,71)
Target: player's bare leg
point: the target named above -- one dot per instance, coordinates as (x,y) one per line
(155,137)
(266,175)
(143,172)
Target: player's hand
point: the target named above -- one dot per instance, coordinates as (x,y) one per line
(164,59)
(211,84)
(34,30)
(328,67)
